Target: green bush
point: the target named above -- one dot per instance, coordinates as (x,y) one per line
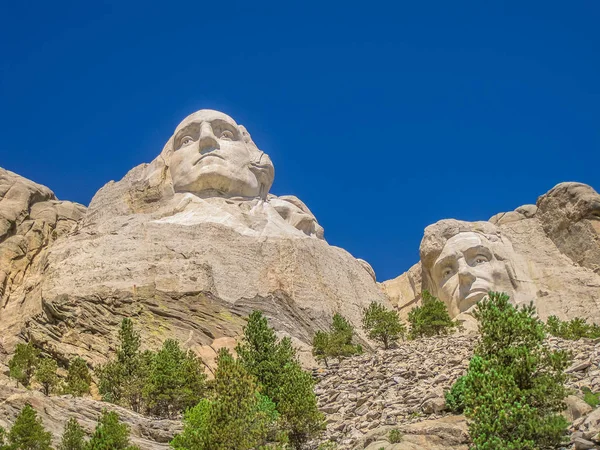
(592,399)
(430,319)
(72,437)
(455,397)
(514,388)
(45,374)
(78,378)
(395,436)
(27,433)
(275,366)
(23,363)
(382,325)
(574,329)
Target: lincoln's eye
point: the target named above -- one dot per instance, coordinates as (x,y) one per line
(227,135)
(446,272)
(186,140)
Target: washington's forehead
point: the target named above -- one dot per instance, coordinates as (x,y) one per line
(205,115)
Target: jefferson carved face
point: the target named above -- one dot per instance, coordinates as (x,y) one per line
(212,153)
(466,270)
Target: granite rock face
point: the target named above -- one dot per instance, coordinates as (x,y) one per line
(31,220)
(187,246)
(548,253)
(148,433)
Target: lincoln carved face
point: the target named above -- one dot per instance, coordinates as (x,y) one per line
(466,271)
(212,154)
(463,261)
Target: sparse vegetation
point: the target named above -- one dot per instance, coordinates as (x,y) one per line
(73,437)
(395,436)
(514,388)
(430,319)
(110,433)
(45,374)
(78,379)
(329,445)
(27,433)
(23,363)
(337,343)
(382,325)
(591,398)
(573,329)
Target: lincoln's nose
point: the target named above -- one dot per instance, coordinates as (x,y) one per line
(465,276)
(207,139)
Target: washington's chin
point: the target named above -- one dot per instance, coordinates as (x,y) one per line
(215,178)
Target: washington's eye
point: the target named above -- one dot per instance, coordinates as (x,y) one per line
(480,260)
(186,140)
(446,272)
(226,134)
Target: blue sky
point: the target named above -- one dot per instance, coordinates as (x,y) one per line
(383,117)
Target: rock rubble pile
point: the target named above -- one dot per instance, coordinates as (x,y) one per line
(363,395)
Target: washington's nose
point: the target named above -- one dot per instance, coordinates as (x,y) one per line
(207,138)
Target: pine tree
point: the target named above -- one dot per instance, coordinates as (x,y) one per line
(274,364)
(297,405)
(176,381)
(260,352)
(382,324)
(235,419)
(129,348)
(514,389)
(110,434)
(110,382)
(122,381)
(23,363)
(73,436)
(78,378)
(45,374)
(320,348)
(28,432)
(430,319)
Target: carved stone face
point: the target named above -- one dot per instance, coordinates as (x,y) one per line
(211,153)
(466,270)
